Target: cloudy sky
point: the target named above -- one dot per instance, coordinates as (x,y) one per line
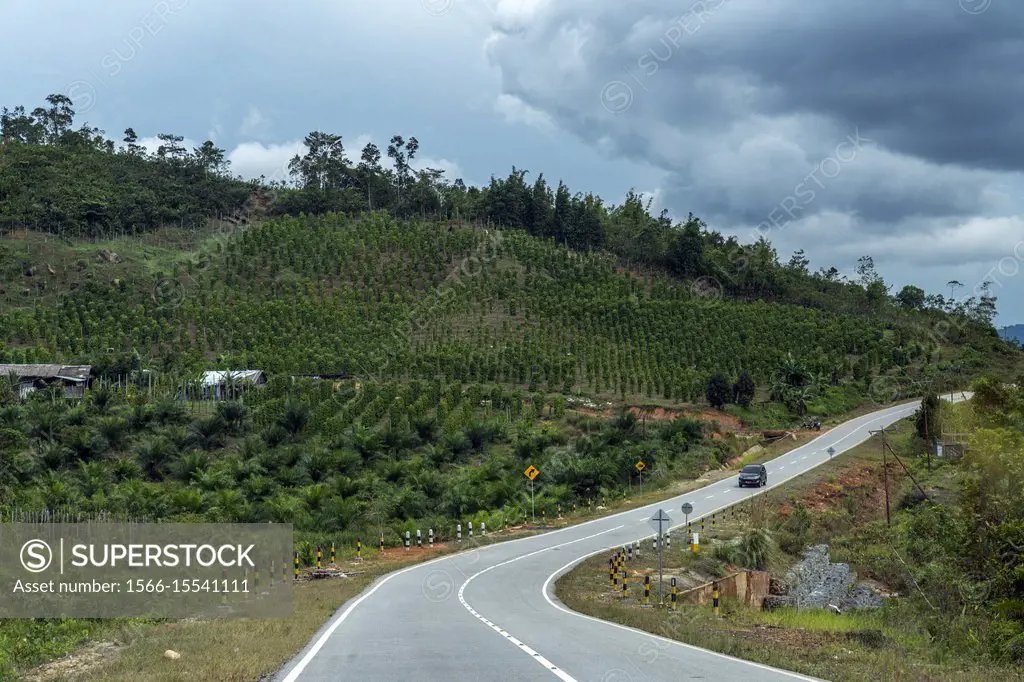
(846,128)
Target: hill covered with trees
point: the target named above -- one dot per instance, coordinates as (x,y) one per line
(477,328)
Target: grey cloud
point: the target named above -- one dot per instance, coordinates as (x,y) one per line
(744,103)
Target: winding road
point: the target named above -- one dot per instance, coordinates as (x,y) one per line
(490,613)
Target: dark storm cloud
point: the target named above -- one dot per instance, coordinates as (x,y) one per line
(926,79)
(744,103)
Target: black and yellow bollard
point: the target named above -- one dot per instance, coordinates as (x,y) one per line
(359,550)
(334,555)
(296,565)
(647,590)
(625,585)
(382,543)
(675,591)
(318,557)
(714,596)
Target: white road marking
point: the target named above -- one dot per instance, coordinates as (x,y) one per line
(552,668)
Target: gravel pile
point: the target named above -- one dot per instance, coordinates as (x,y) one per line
(816,582)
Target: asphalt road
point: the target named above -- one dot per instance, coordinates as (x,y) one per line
(491,614)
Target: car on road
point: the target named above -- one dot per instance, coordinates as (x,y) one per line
(755,475)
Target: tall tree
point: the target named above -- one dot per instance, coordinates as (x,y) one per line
(324,165)
(369,170)
(211,158)
(798,262)
(132,146)
(56,119)
(170,146)
(402,152)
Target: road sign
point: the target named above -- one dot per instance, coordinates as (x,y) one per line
(640,466)
(660,522)
(531,472)
(687,508)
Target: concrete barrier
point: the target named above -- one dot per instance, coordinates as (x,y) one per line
(748,587)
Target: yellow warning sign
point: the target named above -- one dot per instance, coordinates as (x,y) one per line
(640,466)
(531,472)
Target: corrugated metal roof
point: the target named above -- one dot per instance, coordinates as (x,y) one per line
(217,377)
(75,373)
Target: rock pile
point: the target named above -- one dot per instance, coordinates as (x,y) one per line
(817,583)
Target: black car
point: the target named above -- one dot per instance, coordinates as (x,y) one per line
(753,475)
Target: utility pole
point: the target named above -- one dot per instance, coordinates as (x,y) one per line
(927,437)
(885,477)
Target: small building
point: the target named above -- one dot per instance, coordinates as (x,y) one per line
(224,384)
(28,379)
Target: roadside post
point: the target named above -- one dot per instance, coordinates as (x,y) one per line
(714,596)
(660,522)
(696,543)
(675,592)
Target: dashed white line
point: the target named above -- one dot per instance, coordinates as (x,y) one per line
(551,667)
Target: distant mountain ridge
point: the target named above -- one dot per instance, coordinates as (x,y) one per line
(1014,331)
